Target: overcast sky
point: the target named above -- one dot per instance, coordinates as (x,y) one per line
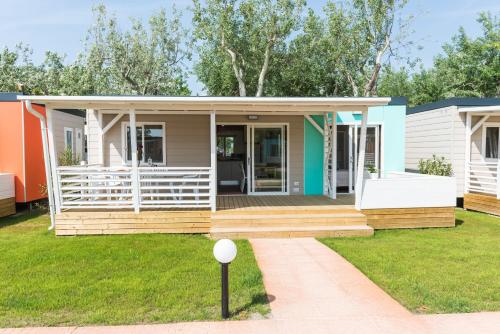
(61,25)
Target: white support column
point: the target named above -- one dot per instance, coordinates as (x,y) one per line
(213,162)
(361,161)
(351,157)
(135,168)
(333,175)
(101,137)
(326,135)
(468,134)
(53,162)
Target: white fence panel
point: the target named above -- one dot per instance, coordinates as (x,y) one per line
(95,187)
(408,190)
(174,187)
(484,178)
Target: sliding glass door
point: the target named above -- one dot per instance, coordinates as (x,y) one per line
(268,159)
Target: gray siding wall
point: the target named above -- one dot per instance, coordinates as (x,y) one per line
(61,120)
(188,140)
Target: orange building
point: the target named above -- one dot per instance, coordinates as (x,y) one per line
(21,151)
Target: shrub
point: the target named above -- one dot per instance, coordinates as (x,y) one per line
(435,166)
(67,158)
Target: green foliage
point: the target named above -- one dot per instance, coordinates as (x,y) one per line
(435,166)
(117,279)
(137,61)
(434,270)
(371,169)
(67,158)
(239,42)
(143,61)
(468,67)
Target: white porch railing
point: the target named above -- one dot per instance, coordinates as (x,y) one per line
(88,187)
(483,177)
(94,187)
(174,187)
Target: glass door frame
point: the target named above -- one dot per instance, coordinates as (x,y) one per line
(285,158)
(353,150)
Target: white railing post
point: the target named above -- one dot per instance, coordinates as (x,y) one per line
(333,172)
(498,179)
(467,167)
(213,162)
(135,167)
(361,161)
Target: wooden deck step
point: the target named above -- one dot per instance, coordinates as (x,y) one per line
(291,232)
(277,220)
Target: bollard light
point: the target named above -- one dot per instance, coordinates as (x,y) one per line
(225,252)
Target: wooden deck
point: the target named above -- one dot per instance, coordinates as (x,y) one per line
(289,203)
(236,217)
(242,217)
(482,202)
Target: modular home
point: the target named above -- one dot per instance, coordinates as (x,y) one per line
(465,131)
(242,167)
(21,151)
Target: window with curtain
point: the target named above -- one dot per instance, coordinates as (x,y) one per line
(150,142)
(492,143)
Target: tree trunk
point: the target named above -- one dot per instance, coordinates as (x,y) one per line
(264,69)
(238,73)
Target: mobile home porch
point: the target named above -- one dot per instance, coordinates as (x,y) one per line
(154,162)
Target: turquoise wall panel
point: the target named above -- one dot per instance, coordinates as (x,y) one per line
(313,158)
(392,119)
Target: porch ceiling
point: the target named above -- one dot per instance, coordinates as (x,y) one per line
(205,104)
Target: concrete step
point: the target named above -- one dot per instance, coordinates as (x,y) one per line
(291,232)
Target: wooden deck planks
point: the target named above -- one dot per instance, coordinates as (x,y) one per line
(410,218)
(482,202)
(267,216)
(7,206)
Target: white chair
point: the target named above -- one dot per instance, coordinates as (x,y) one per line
(243,178)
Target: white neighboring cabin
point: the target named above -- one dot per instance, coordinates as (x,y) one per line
(465,131)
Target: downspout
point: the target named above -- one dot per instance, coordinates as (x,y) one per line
(46,159)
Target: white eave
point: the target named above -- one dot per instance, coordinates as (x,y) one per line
(482,109)
(197,104)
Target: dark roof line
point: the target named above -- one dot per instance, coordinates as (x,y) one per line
(12,97)
(455,101)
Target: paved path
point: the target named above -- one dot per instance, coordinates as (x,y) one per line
(312,290)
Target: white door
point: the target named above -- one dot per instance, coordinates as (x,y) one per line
(267,159)
(79,143)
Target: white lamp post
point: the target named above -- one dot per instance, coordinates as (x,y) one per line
(225,252)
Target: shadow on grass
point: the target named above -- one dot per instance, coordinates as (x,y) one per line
(20,217)
(260,299)
(458,222)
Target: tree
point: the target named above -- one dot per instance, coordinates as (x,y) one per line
(471,67)
(468,67)
(362,36)
(239,41)
(138,61)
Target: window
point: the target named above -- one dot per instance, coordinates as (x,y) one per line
(225,146)
(491,141)
(150,142)
(68,138)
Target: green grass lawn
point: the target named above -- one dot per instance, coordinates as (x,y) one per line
(440,270)
(47,280)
